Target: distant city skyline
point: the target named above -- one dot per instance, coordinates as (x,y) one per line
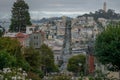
(55,8)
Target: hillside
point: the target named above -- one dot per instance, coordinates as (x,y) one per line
(110,14)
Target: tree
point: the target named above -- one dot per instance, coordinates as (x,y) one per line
(20,16)
(32,56)
(107,46)
(1,33)
(6,60)
(47,59)
(10,45)
(76,63)
(13,47)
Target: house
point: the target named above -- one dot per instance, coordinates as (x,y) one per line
(103,21)
(30,29)
(57,53)
(21,37)
(36,39)
(11,35)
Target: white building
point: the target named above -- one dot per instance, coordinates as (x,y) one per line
(30,29)
(103,21)
(12,35)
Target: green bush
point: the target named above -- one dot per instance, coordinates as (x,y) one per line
(33,76)
(61,77)
(6,60)
(38,72)
(23,63)
(91,78)
(76,64)
(13,74)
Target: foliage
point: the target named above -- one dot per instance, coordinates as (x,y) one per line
(23,63)
(20,16)
(6,60)
(1,33)
(101,76)
(38,72)
(10,45)
(32,56)
(28,60)
(33,76)
(13,55)
(13,48)
(47,59)
(107,46)
(61,77)
(110,14)
(13,74)
(74,63)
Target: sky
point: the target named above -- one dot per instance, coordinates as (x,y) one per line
(55,8)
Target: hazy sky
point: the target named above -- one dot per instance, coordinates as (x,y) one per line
(51,8)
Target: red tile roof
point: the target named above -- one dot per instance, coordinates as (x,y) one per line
(21,37)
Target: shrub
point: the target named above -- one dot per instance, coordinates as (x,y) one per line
(6,60)
(61,77)
(33,76)
(23,63)
(13,74)
(38,72)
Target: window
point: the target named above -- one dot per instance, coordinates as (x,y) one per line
(31,29)
(36,43)
(35,37)
(57,57)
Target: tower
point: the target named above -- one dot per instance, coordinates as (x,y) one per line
(105,6)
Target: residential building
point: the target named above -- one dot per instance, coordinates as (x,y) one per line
(103,21)
(11,35)
(30,29)
(21,37)
(36,39)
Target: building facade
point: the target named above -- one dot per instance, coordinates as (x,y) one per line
(36,39)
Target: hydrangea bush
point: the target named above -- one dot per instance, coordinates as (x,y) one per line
(13,74)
